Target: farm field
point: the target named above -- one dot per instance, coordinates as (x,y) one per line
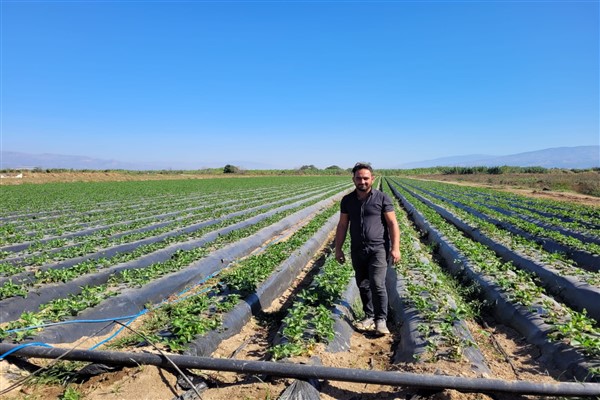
(582,187)
(491,285)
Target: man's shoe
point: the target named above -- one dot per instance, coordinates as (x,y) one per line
(366,324)
(381,327)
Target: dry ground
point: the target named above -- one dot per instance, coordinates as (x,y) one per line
(574,186)
(99,176)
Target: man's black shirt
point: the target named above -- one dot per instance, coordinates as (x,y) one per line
(368,228)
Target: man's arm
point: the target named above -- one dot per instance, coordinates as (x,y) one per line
(340,237)
(394,232)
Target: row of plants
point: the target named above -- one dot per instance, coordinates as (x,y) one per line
(309,320)
(518,222)
(111,236)
(9,267)
(567,211)
(207,212)
(547,210)
(37,230)
(537,216)
(125,214)
(571,327)
(167,196)
(61,221)
(67,216)
(520,245)
(434,294)
(177,323)
(585,235)
(84,196)
(53,275)
(58,309)
(60,225)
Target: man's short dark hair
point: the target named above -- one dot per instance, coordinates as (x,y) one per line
(359,165)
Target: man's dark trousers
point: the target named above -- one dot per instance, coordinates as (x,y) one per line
(370,269)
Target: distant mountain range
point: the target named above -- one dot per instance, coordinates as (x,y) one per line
(11,159)
(579,157)
(17,160)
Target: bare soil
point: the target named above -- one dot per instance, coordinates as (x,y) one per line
(564,186)
(99,176)
(564,196)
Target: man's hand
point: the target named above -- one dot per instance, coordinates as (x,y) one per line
(395,253)
(340,257)
(340,236)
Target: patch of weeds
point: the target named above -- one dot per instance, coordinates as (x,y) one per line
(60,373)
(358,311)
(71,393)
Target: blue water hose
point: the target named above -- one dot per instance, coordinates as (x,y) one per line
(2,356)
(131,318)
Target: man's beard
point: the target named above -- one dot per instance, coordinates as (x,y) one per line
(363,188)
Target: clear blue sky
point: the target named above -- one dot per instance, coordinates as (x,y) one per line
(298,82)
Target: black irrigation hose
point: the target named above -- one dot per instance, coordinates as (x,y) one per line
(392,378)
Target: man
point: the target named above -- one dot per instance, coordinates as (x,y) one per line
(374,241)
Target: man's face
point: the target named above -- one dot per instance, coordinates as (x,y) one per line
(363,180)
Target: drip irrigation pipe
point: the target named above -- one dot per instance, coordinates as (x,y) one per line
(300,371)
